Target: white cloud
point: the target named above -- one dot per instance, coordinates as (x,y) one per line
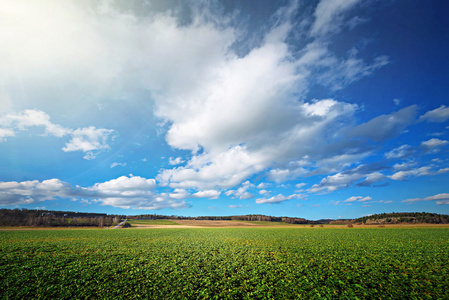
(129,192)
(404,166)
(385,201)
(441,171)
(175,161)
(350,70)
(211,194)
(89,140)
(438,115)
(262,185)
(179,194)
(335,182)
(403,175)
(115,164)
(234,206)
(397,101)
(362,175)
(238,114)
(358,198)
(404,150)
(124,183)
(372,178)
(263,192)
(329,16)
(242,192)
(26,192)
(300,185)
(433,143)
(4,133)
(276,199)
(32,118)
(439,199)
(276,128)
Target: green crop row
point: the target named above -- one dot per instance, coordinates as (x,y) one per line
(225,263)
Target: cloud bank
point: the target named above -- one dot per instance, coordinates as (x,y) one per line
(239,109)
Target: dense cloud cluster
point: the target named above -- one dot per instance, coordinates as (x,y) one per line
(238,113)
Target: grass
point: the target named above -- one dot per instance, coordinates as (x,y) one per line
(226,263)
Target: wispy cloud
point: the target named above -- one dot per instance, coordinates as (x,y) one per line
(235,206)
(438,115)
(439,199)
(358,198)
(115,164)
(277,199)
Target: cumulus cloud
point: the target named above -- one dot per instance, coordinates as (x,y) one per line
(211,194)
(32,118)
(26,192)
(175,161)
(238,114)
(128,192)
(125,192)
(89,140)
(438,115)
(125,183)
(242,192)
(276,128)
(439,199)
(262,185)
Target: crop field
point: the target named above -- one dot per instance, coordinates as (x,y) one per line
(151,222)
(226,263)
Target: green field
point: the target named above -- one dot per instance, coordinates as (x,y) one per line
(226,263)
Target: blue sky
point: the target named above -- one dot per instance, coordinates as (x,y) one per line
(314,109)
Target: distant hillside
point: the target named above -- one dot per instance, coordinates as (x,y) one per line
(404,217)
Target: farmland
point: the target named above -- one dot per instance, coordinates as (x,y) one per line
(221,263)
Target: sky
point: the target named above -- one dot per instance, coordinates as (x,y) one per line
(313,109)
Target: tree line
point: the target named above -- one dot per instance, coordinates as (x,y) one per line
(404,217)
(35,217)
